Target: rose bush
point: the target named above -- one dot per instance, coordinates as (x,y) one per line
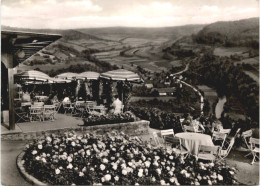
(109,118)
(116,159)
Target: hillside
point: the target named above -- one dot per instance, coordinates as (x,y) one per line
(137,32)
(231,33)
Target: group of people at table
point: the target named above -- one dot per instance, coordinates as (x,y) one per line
(36,107)
(199,135)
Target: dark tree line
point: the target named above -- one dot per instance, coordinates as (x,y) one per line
(227,79)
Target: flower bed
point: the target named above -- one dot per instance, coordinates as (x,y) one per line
(109,119)
(115,159)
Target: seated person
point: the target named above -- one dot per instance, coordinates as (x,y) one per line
(216,126)
(26,97)
(66,99)
(197,125)
(117,105)
(55,100)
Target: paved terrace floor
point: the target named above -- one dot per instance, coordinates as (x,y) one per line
(61,121)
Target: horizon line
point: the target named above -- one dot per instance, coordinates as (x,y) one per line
(123,26)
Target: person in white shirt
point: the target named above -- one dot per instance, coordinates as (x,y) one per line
(66,99)
(117,104)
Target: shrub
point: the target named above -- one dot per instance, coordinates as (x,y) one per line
(109,118)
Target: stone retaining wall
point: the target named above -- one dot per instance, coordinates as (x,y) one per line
(23,172)
(136,128)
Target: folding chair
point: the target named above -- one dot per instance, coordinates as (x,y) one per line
(68,107)
(38,104)
(167,136)
(49,112)
(217,136)
(79,108)
(188,128)
(246,137)
(223,153)
(254,147)
(225,131)
(156,139)
(21,115)
(208,152)
(178,148)
(36,113)
(91,104)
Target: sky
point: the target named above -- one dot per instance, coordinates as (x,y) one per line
(65,14)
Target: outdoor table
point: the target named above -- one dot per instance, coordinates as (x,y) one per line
(101,108)
(191,141)
(41,98)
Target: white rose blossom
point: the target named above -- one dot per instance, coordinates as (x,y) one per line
(158,171)
(102,167)
(107,177)
(44,160)
(140,174)
(162,182)
(116,178)
(34,152)
(81,174)
(37,158)
(70,166)
(57,171)
(69,159)
(124,172)
(220,177)
(105,160)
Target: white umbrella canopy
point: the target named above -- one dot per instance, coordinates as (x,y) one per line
(88,75)
(67,75)
(33,75)
(121,75)
(59,80)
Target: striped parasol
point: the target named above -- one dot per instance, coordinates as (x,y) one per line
(59,80)
(121,75)
(88,75)
(67,75)
(33,75)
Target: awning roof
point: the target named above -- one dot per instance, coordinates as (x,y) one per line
(67,75)
(37,77)
(33,75)
(88,75)
(24,44)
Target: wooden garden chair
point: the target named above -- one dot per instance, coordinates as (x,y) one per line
(167,136)
(36,113)
(254,147)
(178,148)
(223,153)
(49,112)
(218,136)
(209,153)
(246,137)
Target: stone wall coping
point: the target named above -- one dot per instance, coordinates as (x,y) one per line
(23,172)
(35,134)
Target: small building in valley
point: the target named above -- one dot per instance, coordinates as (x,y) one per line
(166,91)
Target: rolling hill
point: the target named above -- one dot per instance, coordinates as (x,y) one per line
(231,33)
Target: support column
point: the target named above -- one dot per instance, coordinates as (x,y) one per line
(11,99)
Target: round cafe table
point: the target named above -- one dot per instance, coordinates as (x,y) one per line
(191,141)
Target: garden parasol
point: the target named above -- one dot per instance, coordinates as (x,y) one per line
(33,75)
(67,75)
(59,80)
(121,75)
(88,75)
